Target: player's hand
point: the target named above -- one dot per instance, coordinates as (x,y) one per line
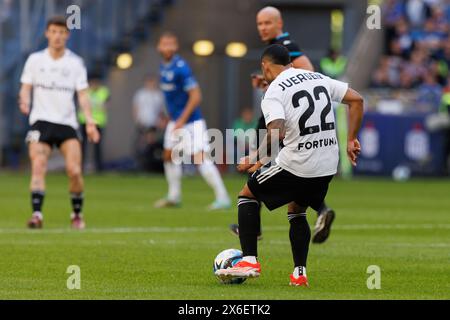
(179,124)
(244,164)
(353,151)
(24,108)
(92,133)
(256,167)
(258,82)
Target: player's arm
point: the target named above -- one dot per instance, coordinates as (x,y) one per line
(191,87)
(27,86)
(25,98)
(135,113)
(258,81)
(85,105)
(275,133)
(273,111)
(356,109)
(135,108)
(195,98)
(303,62)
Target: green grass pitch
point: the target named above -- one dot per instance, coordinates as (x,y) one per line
(132,251)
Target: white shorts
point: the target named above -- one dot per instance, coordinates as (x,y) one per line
(190,140)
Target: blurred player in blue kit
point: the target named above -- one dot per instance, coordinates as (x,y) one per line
(183,99)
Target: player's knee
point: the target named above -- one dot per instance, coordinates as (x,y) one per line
(245,192)
(167,155)
(38,167)
(37,181)
(73,171)
(200,159)
(295,208)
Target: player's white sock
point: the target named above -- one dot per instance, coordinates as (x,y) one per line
(299,271)
(173,173)
(250,259)
(38,214)
(211,174)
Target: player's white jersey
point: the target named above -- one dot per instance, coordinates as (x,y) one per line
(54,85)
(303,99)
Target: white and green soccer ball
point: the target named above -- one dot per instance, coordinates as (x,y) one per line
(228,259)
(401,173)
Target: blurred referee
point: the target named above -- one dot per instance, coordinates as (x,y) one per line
(270,28)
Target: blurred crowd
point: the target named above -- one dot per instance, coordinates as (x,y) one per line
(417,48)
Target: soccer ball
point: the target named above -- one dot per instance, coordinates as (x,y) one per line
(401,173)
(227,259)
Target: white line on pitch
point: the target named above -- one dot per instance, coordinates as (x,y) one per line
(218,229)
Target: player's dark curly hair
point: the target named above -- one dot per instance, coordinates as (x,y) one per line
(59,21)
(277,54)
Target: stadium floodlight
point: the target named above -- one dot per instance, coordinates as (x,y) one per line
(236,49)
(203,48)
(124,61)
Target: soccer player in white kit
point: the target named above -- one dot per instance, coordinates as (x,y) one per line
(297,105)
(54,75)
(270,27)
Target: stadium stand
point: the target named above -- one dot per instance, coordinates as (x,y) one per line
(416,54)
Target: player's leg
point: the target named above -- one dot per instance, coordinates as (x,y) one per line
(311,193)
(211,175)
(198,147)
(266,185)
(300,236)
(39,152)
(273,187)
(325,218)
(234,227)
(71,150)
(98,152)
(249,220)
(173,171)
(447,152)
(174,174)
(84,146)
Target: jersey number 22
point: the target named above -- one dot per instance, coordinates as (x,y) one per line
(324,126)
